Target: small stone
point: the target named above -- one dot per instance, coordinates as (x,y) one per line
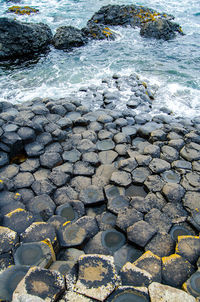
(117,203)
(83,168)
(106,221)
(140,233)
(182,268)
(71,235)
(173,192)
(4,160)
(174,210)
(42,187)
(161,245)
(112,191)
(50,159)
(23,180)
(107,157)
(18,220)
(158,165)
(34,149)
(127,217)
(159,292)
(35,254)
(139,175)
(91,194)
(120,138)
(132,275)
(158,220)
(104,145)
(129,293)
(154,183)
(191,201)
(97,276)
(41,205)
(46,284)
(71,156)
(189,248)
(121,178)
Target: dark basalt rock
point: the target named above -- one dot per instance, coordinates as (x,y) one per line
(132,275)
(161,245)
(192,284)
(189,248)
(178,230)
(127,253)
(22,39)
(97,31)
(18,220)
(8,239)
(67,37)
(129,294)
(41,205)
(71,235)
(140,233)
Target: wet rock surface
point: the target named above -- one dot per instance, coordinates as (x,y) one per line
(102,188)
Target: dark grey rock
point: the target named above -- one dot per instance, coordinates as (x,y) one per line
(191,201)
(169,154)
(39,36)
(158,220)
(158,165)
(41,205)
(9,128)
(152,150)
(140,174)
(106,144)
(140,233)
(106,221)
(9,171)
(34,149)
(89,224)
(80,182)
(40,109)
(117,203)
(50,159)
(191,151)
(161,245)
(8,239)
(146,129)
(70,234)
(43,186)
(154,183)
(129,131)
(18,220)
(173,192)
(93,158)
(83,168)
(4,159)
(86,145)
(91,195)
(23,180)
(134,276)
(54,147)
(127,165)
(59,178)
(189,248)
(121,178)
(128,217)
(30,165)
(71,156)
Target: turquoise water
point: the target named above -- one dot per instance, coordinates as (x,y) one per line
(171,67)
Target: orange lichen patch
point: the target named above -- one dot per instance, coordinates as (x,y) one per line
(22,10)
(170,258)
(66,223)
(47,241)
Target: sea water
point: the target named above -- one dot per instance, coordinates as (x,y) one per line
(173,67)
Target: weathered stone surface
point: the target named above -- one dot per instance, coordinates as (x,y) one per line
(30,165)
(158,165)
(127,253)
(41,205)
(18,220)
(139,175)
(191,201)
(8,239)
(134,276)
(50,159)
(27,134)
(67,37)
(159,292)
(128,217)
(176,270)
(191,151)
(107,157)
(34,149)
(171,176)
(9,171)
(46,284)
(58,178)
(117,203)
(106,144)
(189,248)
(86,145)
(39,36)
(27,298)
(158,220)
(191,285)
(106,221)
(173,192)
(71,235)
(91,195)
(4,160)
(154,183)
(151,263)
(23,180)
(140,233)
(125,293)
(71,156)
(128,165)
(97,276)
(35,254)
(121,178)
(42,187)
(161,245)
(93,158)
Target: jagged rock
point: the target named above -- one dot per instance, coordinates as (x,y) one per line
(67,37)
(160,221)
(173,192)
(8,239)
(134,276)
(191,285)
(98,31)
(14,35)
(97,276)
(129,293)
(159,292)
(189,248)
(161,245)
(140,233)
(128,217)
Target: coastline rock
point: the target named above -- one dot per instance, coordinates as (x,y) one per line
(19,40)
(67,37)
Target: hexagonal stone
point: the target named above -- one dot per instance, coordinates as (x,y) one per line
(34,149)
(191,285)
(121,178)
(127,253)
(157,219)
(139,175)
(132,275)
(161,245)
(106,144)
(169,154)
(129,131)
(83,168)
(128,164)
(113,191)
(105,242)
(44,138)
(150,263)
(128,217)
(58,178)
(23,180)
(39,231)
(173,192)
(42,205)
(46,284)
(107,157)
(35,254)
(9,280)
(27,134)
(158,165)
(91,195)
(86,145)
(154,183)
(191,151)
(176,270)
(159,292)
(140,233)
(8,239)
(152,150)
(9,171)
(30,165)
(89,224)
(129,293)
(117,203)
(191,201)
(171,176)
(91,157)
(50,159)
(179,230)
(43,186)
(18,220)
(103,175)
(71,235)
(72,210)
(189,248)
(71,156)
(97,276)
(80,182)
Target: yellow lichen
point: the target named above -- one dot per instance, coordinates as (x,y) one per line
(15,211)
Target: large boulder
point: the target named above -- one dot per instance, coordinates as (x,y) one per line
(19,39)
(67,37)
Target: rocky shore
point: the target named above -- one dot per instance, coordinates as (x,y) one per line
(99,205)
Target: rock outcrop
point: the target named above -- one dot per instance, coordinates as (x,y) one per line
(67,37)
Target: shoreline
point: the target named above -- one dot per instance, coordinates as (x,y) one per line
(90,182)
